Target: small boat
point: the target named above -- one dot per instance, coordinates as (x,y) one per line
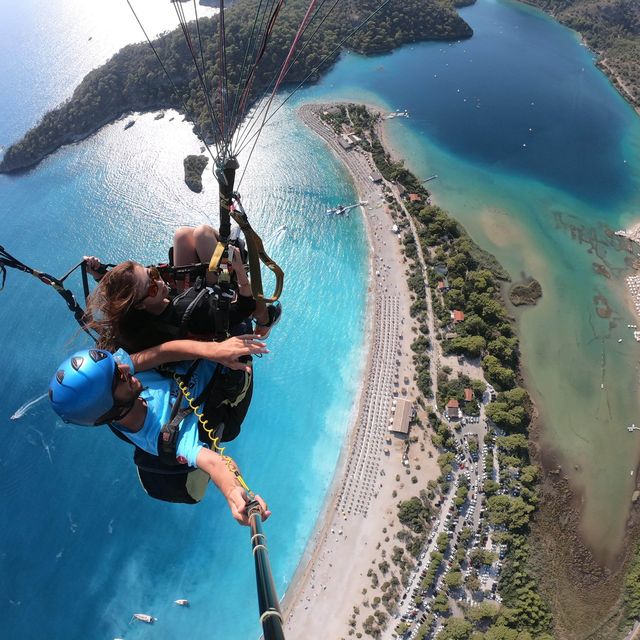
(182,602)
(129,124)
(144,617)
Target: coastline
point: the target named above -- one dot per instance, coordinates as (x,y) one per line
(590,587)
(331,577)
(617,82)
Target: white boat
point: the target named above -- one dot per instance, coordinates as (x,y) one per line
(144,617)
(182,602)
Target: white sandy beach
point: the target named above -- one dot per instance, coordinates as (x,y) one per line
(332,575)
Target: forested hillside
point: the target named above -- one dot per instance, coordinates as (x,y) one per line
(133,80)
(612,29)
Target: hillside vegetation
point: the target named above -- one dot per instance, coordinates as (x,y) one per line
(612,29)
(133,80)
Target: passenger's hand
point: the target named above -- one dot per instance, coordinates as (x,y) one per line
(93,266)
(229,352)
(238,499)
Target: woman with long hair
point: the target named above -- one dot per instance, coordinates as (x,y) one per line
(134,308)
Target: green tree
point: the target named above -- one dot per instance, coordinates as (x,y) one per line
(413,513)
(472,582)
(453,579)
(514,513)
(483,612)
(441,604)
(456,629)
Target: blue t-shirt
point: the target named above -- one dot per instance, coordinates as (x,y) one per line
(160,393)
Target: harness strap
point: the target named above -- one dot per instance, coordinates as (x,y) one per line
(190,309)
(168,436)
(7,260)
(216,257)
(257,254)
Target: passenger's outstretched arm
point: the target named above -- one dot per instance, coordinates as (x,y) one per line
(227,353)
(221,472)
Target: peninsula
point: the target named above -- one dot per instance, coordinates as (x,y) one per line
(133,80)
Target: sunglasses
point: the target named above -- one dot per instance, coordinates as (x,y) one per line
(120,375)
(152,287)
(118,411)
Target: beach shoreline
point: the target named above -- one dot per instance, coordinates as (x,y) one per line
(322,526)
(369,480)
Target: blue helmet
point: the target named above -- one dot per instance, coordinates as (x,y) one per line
(81,391)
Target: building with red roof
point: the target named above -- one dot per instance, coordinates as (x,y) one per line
(453,409)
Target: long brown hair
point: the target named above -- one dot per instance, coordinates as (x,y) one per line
(110,304)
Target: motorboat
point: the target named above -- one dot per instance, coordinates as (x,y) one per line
(144,617)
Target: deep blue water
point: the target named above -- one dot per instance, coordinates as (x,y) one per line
(77,527)
(521,80)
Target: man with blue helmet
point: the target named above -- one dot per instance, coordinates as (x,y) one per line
(95,387)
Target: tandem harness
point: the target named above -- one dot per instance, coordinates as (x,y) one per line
(226,399)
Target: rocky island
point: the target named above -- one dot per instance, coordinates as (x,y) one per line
(194,166)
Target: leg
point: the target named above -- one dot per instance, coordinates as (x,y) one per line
(205,239)
(184,246)
(195,244)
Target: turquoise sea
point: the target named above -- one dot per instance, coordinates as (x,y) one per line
(82,547)
(533,150)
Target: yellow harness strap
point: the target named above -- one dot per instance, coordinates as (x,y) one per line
(257,254)
(216,257)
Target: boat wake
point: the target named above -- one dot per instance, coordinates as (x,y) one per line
(25,407)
